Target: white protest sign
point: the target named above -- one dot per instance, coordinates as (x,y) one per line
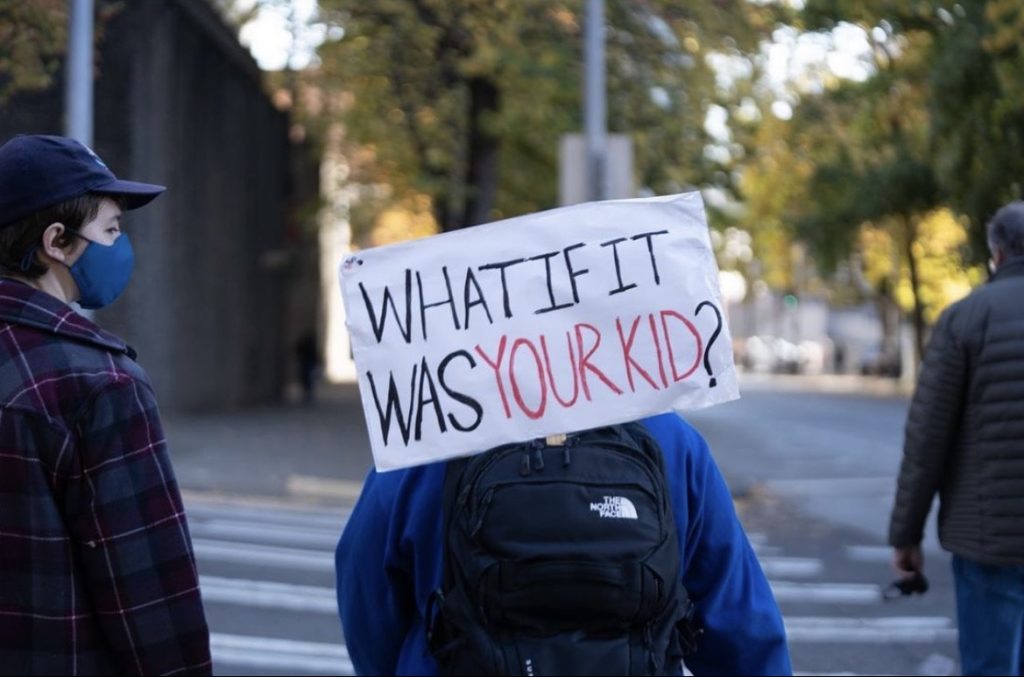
(549,323)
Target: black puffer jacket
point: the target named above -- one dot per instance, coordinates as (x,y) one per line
(965,429)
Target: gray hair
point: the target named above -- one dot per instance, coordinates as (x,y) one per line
(1006,230)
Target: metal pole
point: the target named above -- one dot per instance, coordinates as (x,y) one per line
(594,105)
(78,103)
(78,106)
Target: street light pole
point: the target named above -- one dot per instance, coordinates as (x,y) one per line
(78,106)
(594,104)
(78,96)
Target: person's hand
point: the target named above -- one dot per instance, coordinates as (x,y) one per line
(908,559)
(909,562)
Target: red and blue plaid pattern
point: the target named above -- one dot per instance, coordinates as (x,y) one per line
(97,574)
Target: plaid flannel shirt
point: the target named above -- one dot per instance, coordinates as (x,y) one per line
(97,573)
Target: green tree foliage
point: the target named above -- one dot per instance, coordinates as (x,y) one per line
(968,63)
(978,109)
(465,100)
(938,123)
(32,41)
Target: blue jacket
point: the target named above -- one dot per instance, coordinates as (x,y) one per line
(389,560)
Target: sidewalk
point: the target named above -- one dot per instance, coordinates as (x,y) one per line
(315,455)
(846,384)
(318,455)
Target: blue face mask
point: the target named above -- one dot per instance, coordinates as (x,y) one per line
(102,272)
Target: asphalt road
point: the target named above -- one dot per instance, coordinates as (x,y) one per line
(834,455)
(813,472)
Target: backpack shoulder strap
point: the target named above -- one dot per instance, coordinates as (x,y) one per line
(455,469)
(453,472)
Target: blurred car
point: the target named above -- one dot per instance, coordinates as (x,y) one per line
(773,354)
(878,362)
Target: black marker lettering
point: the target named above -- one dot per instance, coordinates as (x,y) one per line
(573,274)
(426,378)
(480,300)
(394,404)
(449,301)
(504,285)
(378,327)
(460,397)
(618,266)
(650,250)
(551,292)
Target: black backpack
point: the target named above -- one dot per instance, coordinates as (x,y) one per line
(561,557)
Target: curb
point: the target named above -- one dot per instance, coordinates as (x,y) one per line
(845,384)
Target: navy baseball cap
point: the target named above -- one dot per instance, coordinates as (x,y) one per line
(39,171)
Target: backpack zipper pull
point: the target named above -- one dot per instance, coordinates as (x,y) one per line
(524,464)
(538,459)
(566,457)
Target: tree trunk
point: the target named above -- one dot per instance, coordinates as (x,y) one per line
(482,151)
(910,237)
(888,311)
(443,212)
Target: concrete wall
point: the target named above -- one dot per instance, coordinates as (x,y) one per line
(180,102)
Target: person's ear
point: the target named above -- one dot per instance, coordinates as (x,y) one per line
(51,246)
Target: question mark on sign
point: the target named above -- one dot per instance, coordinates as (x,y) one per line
(718,330)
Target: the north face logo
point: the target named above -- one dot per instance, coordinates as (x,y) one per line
(615,507)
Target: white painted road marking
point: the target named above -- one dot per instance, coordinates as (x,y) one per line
(266,533)
(284,654)
(259,536)
(850,593)
(888,630)
(869,553)
(244,553)
(269,594)
(324,519)
(832,486)
(788,567)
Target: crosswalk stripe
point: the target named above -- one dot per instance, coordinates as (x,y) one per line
(797,673)
(305,541)
(831,486)
(266,533)
(851,593)
(324,519)
(785,567)
(245,553)
(886,630)
(286,654)
(868,553)
(268,594)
